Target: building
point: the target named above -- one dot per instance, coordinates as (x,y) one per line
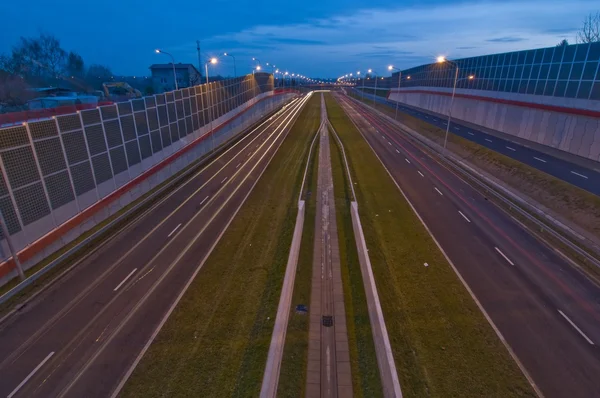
(163,80)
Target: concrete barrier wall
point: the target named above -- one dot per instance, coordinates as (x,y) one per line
(196,145)
(571,125)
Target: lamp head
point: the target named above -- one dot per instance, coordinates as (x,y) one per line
(213,60)
(390,67)
(441,59)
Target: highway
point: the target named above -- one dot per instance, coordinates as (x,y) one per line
(85,333)
(582,177)
(547,311)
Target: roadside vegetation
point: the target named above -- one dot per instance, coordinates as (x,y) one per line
(442,344)
(366,381)
(215,343)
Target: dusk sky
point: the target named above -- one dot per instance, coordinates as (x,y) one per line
(314,38)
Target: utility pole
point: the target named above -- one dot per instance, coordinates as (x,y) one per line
(199,58)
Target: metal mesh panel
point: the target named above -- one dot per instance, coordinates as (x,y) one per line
(188,124)
(20,166)
(102,170)
(169,96)
(133,152)
(128,127)
(112,128)
(95,139)
(182,132)
(156,144)
(13,136)
(185,92)
(166,137)
(193,104)
(160,99)
(10,216)
(108,112)
(138,105)
(124,108)
(50,155)
(152,119)
(117,157)
(149,102)
(172,114)
(141,123)
(68,122)
(174,132)
(3,187)
(187,106)
(145,148)
(179,107)
(91,116)
(75,146)
(195,121)
(82,178)
(177,94)
(43,129)
(59,189)
(32,203)
(162,115)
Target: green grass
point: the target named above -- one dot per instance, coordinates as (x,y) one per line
(292,376)
(366,381)
(442,344)
(574,204)
(216,341)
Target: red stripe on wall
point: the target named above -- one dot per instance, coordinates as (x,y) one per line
(39,245)
(550,108)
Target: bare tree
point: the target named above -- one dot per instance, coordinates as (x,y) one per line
(590,32)
(14,91)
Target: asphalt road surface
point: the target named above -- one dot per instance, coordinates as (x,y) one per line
(577,175)
(82,335)
(548,312)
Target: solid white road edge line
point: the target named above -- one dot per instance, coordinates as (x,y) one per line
(465,217)
(30,375)
(173,231)
(576,328)
(503,255)
(125,280)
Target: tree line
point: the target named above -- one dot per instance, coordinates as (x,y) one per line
(41,62)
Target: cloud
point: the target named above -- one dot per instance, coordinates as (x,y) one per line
(505,39)
(408,36)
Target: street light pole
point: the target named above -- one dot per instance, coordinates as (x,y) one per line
(158,51)
(212,136)
(234,68)
(399,79)
(11,248)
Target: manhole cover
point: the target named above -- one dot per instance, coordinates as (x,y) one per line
(328,321)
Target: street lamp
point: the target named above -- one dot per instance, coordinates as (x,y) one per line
(441,60)
(234,68)
(257,60)
(212,136)
(159,51)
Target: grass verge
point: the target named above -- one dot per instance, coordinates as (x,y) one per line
(442,344)
(292,376)
(215,342)
(47,278)
(366,381)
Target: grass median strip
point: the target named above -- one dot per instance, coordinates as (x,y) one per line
(442,344)
(215,343)
(365,371)
(292,376)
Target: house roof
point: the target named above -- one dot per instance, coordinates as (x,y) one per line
(170,66)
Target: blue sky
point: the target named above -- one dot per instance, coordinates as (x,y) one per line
(314,38)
